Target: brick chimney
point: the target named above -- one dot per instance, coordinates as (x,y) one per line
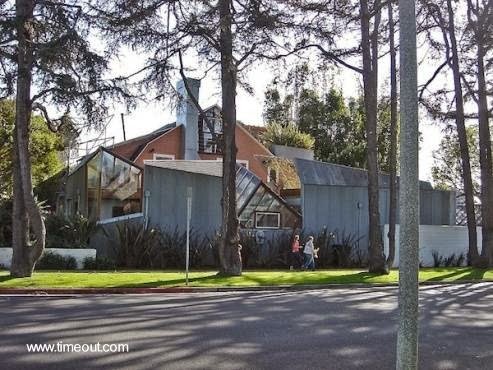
(188,116)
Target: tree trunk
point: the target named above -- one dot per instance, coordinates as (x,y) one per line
(26,212)
(407,334)
(229,253)
(393,141)
(462,135)
(376,258)
(485,161)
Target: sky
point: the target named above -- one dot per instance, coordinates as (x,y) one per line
(151,115)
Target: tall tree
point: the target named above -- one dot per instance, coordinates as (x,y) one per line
(448,30)
(369,46)
(337,124)
(407,334)
(248,30)
(46,60)
(392,162)
(229,249)
(480,19)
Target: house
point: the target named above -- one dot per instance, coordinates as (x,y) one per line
(167,185)
(148,178)
(192,138)
(335,198)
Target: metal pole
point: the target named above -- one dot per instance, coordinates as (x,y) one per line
(407,334)
(123,127)
(189,214)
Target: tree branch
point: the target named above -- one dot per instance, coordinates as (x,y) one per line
(194,100)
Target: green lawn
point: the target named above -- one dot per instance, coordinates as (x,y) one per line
(138,279)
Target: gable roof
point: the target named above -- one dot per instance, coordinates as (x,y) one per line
(330,174)
(256,131)
(130,149)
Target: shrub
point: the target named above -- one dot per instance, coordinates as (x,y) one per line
(54,261)
(135,245)
(171,250)
(437,259)
(69,232)
(451,261)
(99,263)
(5,223)
(287,135)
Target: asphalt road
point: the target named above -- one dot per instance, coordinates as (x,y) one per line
(323,329)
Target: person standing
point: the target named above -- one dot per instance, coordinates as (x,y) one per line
(296,260)
(309,253)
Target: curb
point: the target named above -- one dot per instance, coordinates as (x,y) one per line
(177,290)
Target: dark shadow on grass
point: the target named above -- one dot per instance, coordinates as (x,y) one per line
(471,274)
(169,283)
(452,274)
(474,274)
(7,278)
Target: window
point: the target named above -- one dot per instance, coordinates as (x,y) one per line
(210,138)
(163,157)
(271,175)
(267,220)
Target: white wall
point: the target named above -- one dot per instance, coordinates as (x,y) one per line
(78,254)
(446,240)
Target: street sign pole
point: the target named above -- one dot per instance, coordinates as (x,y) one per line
(189,214)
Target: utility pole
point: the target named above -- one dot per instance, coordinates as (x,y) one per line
(123,127)
(407,335)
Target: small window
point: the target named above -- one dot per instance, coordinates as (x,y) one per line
(267,220)
(271,175)
(163,157)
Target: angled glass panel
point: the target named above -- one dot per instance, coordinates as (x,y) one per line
(93,186)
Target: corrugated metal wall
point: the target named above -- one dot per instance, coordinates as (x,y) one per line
(168,199)
(336,208)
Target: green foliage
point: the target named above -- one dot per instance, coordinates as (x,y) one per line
(99,263)
(277,110)
(337,125)
(288,135)
(5,223)
(44,148)
(69,232)
(447,164)
(338,129)
(54,261)
(135,245)
(139,247)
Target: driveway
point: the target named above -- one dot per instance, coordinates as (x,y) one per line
(320,329)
